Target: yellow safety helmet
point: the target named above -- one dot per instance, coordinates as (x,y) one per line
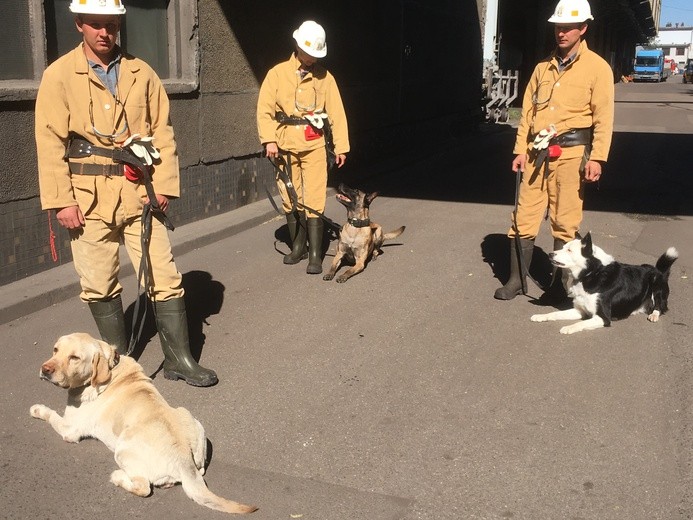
(310,37)
(572,11)
(107,7)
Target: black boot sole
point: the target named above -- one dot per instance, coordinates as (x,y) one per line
(175,376)
(290,260)
(314,269)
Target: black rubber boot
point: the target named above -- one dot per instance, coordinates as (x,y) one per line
(513,287)
(110,321)
(172,323)
(314,246)
(296,223)
(556,292)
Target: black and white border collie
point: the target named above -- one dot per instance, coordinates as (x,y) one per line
(603,289)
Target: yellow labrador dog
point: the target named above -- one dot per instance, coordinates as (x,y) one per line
(111,399)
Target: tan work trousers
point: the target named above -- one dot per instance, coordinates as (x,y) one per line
(561,192)
(309,177)
(95,252)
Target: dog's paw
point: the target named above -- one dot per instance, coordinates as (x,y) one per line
(538,317)
(40,411)
(136,485)
(654,317)
(328,277)
(342,279)
(571,329)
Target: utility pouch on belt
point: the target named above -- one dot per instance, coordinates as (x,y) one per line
(311,133)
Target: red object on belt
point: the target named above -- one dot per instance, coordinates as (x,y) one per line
(555,151)
(311,134)
(132,174)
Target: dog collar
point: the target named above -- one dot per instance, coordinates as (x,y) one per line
(359,222)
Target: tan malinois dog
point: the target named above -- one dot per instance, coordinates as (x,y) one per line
(359,239)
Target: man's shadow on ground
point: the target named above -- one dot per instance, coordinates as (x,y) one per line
(495,251)
(204,297)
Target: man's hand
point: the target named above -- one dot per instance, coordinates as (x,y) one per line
(272,150)
(519,163)
(70,217)
(593,171)
(161,199)
(339,160)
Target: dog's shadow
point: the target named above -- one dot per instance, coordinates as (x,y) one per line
(495,251)
(204,297)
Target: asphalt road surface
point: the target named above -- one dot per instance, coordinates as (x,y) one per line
(407,392)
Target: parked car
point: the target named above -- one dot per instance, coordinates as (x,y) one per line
(688,73)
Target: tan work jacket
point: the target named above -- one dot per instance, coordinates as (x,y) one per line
(284,90)
(68,87)
(581,96)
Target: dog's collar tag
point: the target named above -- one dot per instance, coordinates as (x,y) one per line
(357,222)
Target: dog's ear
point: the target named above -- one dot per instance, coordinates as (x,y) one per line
(370,197)
(100,371)
(587,245)
(108,351)
(578,235)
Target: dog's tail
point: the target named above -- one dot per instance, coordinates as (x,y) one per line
(666,261)
(196,488)
(394,234)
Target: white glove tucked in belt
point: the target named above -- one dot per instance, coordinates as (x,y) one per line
(541,141)
(317,120)
(143,148)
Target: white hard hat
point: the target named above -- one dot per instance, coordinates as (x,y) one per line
(107,7)
(572,11)
(310,37)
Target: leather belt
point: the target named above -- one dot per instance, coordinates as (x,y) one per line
(573,137)
(109,170)
(80,147)
(283,119)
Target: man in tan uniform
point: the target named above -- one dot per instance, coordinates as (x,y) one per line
(298,100)
(563,140)
(89,102)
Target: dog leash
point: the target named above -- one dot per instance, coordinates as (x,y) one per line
(285,177)
(516,239)
(143,280)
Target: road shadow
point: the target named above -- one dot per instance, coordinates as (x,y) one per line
(204,297)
